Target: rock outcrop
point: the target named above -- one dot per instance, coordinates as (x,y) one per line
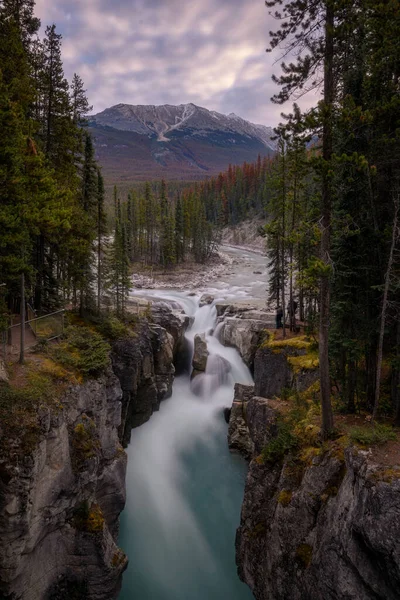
(274,371)
(239,439)
(243,327)
(144,367)
(173,319)
(244,335)
(200,355)
(323,523)
(60,504)
(206,299)
(327,529)
(61,496)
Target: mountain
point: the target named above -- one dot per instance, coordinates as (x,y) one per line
(136,143)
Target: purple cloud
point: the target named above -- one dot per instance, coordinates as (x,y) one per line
(211,53)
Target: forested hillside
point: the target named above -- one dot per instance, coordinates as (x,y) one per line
(49,210)
(334,213)
(55,228)
(331,197)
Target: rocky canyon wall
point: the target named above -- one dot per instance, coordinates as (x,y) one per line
(60,499)
(320,523)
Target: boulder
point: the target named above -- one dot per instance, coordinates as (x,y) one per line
(206,299)
(200,355)
(244,335)
(173,320)
(239,439)
(243,393)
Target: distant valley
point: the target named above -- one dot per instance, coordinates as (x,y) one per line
(185,142)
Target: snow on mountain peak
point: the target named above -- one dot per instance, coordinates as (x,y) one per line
(162,120)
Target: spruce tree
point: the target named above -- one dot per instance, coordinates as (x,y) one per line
(308,30)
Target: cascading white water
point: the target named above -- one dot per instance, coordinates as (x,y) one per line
(184,489)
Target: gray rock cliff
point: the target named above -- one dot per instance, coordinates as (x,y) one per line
(321,526)
(61,498)
(60,505)
(144,367)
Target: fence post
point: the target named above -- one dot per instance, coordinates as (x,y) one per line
(22,350)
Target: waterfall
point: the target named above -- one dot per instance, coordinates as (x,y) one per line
(184,489)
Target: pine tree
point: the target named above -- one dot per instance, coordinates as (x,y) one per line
(308,30)
(179,231)
(101,231)
(22,12)
(58,131)
(80,103)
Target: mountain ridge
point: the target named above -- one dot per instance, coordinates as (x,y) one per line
(174,141)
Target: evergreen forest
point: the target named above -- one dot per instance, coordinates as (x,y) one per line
(329,197)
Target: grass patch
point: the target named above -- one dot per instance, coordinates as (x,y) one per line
(372,435)
(285,497)
(85,443)
(387,475)
(88,518)
(298,343)
(83,350)
(114,329)
(297,429)
(306,362)
(19,407)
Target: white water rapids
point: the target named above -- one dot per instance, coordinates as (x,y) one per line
(184,488)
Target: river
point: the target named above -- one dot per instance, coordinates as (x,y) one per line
(184,488)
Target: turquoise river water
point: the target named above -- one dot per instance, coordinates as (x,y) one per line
(184,488)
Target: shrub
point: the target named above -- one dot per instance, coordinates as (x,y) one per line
(113,329)
(85,443)
(281,444)
(371,435)
(285,497)
(304,362)
(89,519)
(83,350)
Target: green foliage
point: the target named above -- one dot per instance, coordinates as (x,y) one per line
(84,443)
(283,442)
(83,350)
(88,518)
(285,497)
(113,328)
(372,435)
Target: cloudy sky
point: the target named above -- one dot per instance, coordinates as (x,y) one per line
(210,52)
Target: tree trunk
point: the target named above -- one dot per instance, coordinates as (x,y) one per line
(22,349)
(351,386)
(396,374)
(99,274)
(384,309)
(283,240)
(327,142)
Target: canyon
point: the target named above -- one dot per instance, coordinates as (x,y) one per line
(321,524)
